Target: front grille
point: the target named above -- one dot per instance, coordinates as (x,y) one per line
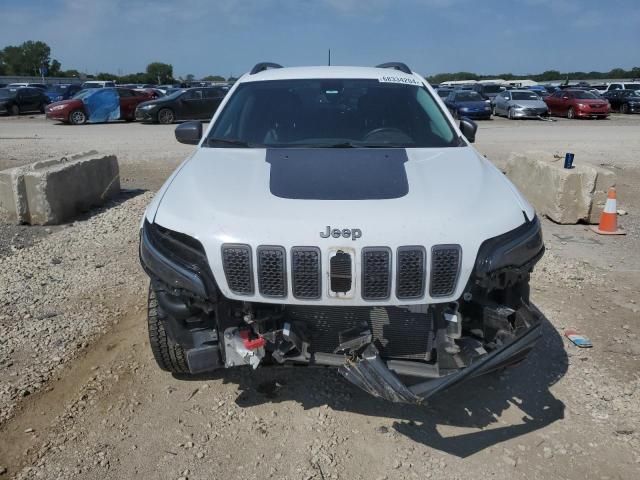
(376,273)
(398,332)
(305,272)
(272,271)
(445,266)
(340,272)
(411,272)
(236,262)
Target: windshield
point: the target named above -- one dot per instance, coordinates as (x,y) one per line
(524,96)
(174,94)
(331,113)
(469,97)
(630,93)
(7,92)
(57,88)
(632,86)
(491,88)
(583,94)
(443,93)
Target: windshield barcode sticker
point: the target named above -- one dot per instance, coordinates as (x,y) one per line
(403,80)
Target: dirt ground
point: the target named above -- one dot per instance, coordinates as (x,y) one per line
(80,395)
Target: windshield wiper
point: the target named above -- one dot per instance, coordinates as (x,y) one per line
(232,142)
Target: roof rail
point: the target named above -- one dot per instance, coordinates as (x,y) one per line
(262,66)
(396,66)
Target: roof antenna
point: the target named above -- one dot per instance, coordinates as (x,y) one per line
(329,57)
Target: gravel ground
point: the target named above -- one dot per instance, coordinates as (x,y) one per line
(62,292)
(80,396)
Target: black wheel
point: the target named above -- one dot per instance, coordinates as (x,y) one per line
(624,108)
(493,111)
(168,355)
(42,105)
(571,113)
(15,110)
(77,117)
(166,116)
(510,113)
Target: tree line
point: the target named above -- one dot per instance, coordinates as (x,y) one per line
(32,58)
(547,76)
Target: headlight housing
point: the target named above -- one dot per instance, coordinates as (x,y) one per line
(58,107)
(512,249)
(146,107)
(177,259)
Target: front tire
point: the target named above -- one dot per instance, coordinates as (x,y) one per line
(571,114)
(624,108)
(77,117)
(510,114)
(168,355)
(15,110)
(166,116)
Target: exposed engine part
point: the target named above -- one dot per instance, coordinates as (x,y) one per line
(454,321)
(242,349)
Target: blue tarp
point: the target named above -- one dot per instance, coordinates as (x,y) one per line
(102,105)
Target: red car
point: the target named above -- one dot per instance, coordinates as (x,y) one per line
(98,105)
(577,104)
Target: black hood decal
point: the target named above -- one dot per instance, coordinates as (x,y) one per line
(338,173)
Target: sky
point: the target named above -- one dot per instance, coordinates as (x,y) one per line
(227,37)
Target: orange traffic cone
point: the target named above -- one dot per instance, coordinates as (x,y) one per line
(609,217)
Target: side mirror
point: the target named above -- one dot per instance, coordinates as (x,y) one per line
(189,133)
(468,128)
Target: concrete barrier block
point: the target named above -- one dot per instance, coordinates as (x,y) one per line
(54,191)
(564,196)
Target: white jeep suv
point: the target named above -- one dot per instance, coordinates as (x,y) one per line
(338,216)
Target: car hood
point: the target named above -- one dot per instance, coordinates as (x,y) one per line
(266,197)
(591,101)
(68,102)
(529,103)
(155,102)
(473,104)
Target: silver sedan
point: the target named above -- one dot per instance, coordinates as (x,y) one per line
(519,104)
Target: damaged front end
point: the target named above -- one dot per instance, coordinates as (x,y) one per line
(399,353)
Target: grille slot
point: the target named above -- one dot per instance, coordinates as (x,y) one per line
(411,272)
(236,262)
(305,272)
(272,271)
(445,266)
(398,332)
(376,273)
(340,272)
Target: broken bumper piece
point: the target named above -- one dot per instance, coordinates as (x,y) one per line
(370,372)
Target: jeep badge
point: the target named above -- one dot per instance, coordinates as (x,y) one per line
(353,233)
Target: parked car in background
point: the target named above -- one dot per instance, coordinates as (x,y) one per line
(625,101)
(540,90)
(188,104)
(577,104)
(96,105)
(27,84)
(488,90)
(623,86)
(468,103)
(443,92)
(519,104)
(14,101)
(98,84)
(63,91)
